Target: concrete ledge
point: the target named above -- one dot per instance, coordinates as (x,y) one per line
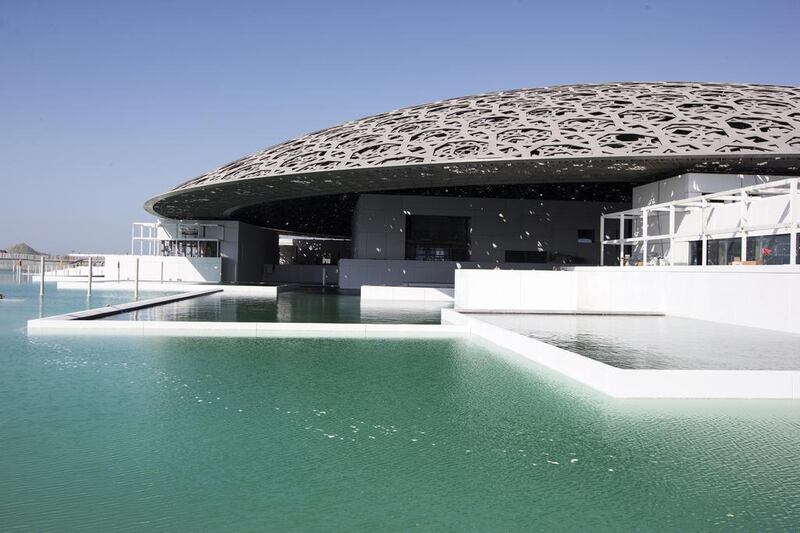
(558,312)
(396,293)
(627,383)
(241,329)
(156,286)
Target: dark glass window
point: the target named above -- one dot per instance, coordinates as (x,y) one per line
(769,249)
(437,238)
(190,248)
(723,251)
(526,256)
(585,236)
(695,252)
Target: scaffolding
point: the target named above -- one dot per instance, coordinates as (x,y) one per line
(745,197)
(185,239)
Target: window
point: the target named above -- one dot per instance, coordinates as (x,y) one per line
(437,238)
(769,249)
(526,256)
(585,236)
(190,248)
(723,251)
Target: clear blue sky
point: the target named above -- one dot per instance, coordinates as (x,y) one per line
(104,104)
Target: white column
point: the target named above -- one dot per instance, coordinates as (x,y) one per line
(602,238)
(644,237)
(742,224)
(703,236)
(671,234)
(793,218)
(621,240)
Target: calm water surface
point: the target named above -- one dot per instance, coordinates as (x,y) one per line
(659,342)
(292,306)
(124,433)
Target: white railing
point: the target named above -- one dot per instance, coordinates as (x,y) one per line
(786,220)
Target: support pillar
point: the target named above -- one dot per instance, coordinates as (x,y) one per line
(621,240)
(743,225)
(602,239)
(671,234)
(793,218)
(644,237)
(703,235)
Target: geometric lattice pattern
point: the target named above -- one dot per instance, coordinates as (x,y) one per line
(616,119)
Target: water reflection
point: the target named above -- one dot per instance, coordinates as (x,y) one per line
(292,306)
(659,342)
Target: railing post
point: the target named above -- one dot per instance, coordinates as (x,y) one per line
(89,286)
(136,279)
(41,276)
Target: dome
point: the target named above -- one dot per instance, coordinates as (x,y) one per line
(615,132)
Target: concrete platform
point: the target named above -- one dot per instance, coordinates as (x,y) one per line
(63,326)
(156,286)
(629,383)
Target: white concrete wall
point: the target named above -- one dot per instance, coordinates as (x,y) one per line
(355,273)
(404,294)
(496,225)
(756,296)
(194,269)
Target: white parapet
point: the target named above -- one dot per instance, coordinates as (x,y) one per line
(755,296)
(396,293)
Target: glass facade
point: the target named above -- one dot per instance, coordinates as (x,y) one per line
(182,248)
(724,251)
(437,238)
(769,249)
(761,250)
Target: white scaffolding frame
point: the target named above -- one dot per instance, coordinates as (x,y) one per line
(144,236)
(743,196)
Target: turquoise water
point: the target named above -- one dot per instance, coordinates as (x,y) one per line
(157,434)
(292,306)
